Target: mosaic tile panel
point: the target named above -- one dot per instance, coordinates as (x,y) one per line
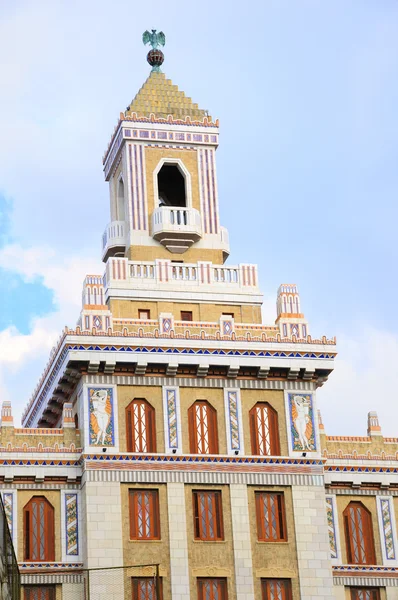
(101,419)
(171,396)
(387,528)
(302,425)
(71,525)
(331,527)
(233,420)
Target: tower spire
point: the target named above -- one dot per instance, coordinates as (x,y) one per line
(155,57)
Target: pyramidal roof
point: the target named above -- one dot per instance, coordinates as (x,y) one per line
(158,96)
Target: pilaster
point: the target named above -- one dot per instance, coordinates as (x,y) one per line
(178,541)
(313,551)
(242,542)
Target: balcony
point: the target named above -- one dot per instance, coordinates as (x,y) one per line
(176,228)
(114,239)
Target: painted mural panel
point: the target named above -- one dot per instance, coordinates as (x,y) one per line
(171,396)
(302,424)
(233,420)
(101,417)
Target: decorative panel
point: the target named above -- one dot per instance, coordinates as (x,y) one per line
(71,525)
(171,411)
(101,417)
(233,420)
(301,421)
(387,528)
(331,527)
(8,501)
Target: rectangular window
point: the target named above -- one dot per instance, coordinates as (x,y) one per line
(39,592)
(270,509)
(186,315)
(212,589)
(145,588)
(144,314)
(365,594)
(208,522)
(144,515)
(228,315)
(276,589)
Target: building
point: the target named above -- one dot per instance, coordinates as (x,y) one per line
(173,443)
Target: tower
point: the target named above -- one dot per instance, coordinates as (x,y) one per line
(171,447)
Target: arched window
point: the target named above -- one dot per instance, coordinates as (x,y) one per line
(141,432)
(203,436)
(39,530)
(359,535)
(171,186)
(264,430)
(120,201)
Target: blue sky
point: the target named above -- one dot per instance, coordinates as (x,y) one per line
(306,93)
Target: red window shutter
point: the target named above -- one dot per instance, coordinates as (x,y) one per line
(276,588)
(129,429)
(27,534)
(359,534)
(193,442)
(264,431)
(270,514)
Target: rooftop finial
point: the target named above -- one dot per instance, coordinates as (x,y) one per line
(155,57)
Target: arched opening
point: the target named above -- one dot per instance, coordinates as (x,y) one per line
(141,428)
(359,535)
(39,530)
(120,201)
(203,435)
(264,431)
(171,186)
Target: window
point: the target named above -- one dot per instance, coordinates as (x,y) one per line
(171,186)
(38,592)
(359,535)
(39,530)
(203,437)
(207,510)
(212,589)
(228,315)
(186,315)
(264,430)
(120,201)
(144,515)
(365,594)
(144,588)
(144,314)
(276,589)
(270,511)
(140,423)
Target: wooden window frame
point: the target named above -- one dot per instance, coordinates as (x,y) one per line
(212,508)
(212,428)
(355,593)
(150,427)
(144,310)
(268,498)
(154,517)
(351,520)
(39,592)
(183,315)
(221,581)
(48,529)
(267,583)
(134,588)
(273,429)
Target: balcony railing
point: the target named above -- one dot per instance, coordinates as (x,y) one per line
(176,228)
(114,239)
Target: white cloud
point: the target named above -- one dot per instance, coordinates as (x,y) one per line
(363,380)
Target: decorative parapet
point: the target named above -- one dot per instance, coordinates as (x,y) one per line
(373,424)
(67,416)
(7,420)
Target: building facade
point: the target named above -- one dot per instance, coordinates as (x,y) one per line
(173,447)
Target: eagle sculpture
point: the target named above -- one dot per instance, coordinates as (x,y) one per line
(153,38)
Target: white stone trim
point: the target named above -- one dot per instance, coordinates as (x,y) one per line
(241,447)
(388,562)
(66,558)
(179,562)
(178,448)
